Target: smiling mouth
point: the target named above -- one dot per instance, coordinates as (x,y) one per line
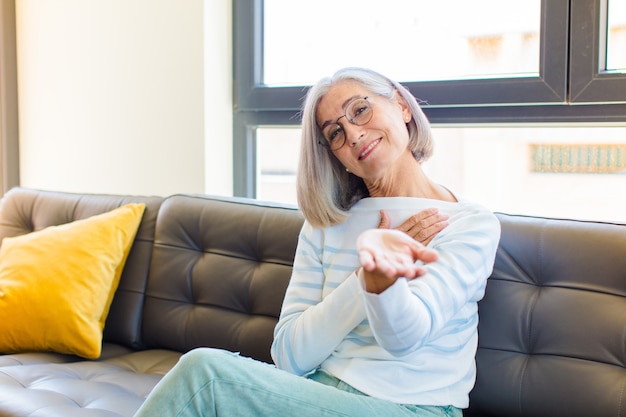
(365,152)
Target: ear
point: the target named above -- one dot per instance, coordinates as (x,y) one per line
(404,107)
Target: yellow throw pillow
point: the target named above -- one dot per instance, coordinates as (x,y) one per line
(57,284)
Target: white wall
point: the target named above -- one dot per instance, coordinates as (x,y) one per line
(111,95)
(218,89)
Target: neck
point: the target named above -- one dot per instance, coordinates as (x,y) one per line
(408,179)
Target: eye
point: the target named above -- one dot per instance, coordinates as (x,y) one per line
(332,132)
(359,110)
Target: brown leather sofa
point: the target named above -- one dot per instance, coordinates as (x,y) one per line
(210,271)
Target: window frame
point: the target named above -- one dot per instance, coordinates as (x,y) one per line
(548,87)
(590,81)
(572,85)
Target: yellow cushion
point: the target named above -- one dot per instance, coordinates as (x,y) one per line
(57,284)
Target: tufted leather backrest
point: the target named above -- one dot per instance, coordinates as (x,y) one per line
(219,272)
(552,332)
(25,210)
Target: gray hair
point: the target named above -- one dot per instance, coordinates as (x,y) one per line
(325,190)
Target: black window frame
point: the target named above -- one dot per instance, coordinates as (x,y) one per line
(572,84)
(590,81)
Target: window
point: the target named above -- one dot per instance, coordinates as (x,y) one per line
(492,113)
(277,156)
(593,50)
(547,84)
(555,170)
(400,44)
(616,36)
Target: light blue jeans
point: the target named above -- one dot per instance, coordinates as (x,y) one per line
(211,382)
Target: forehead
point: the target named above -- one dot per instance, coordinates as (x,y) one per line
(332,104)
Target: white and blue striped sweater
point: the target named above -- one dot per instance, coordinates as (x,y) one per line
(415,343)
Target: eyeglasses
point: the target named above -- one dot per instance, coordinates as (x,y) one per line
(358,112)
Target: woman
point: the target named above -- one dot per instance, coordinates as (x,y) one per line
(373,323)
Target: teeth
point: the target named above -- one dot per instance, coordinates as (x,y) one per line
(369,148)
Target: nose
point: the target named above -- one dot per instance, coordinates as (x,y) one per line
(353,133)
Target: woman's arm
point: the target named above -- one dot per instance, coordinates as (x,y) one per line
(310,327)
(409,311)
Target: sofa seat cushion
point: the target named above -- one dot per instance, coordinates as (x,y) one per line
(104,388)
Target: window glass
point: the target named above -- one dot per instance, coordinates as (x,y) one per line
(277,163)
(616,36)
(409,40)
(555,171)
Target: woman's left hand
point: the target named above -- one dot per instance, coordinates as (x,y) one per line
(422,226)
(388,254)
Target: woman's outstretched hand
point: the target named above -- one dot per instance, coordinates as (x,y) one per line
(389,254)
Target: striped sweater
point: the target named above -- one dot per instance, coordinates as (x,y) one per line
(415,343)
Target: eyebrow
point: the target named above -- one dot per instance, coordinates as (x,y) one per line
(343,106)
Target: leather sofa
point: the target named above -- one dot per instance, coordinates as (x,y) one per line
(212,271)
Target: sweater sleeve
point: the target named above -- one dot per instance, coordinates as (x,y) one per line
(410,313)
(311,326)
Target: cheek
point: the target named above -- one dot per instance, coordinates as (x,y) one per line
(400,133)
(394,121)
(343,157)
